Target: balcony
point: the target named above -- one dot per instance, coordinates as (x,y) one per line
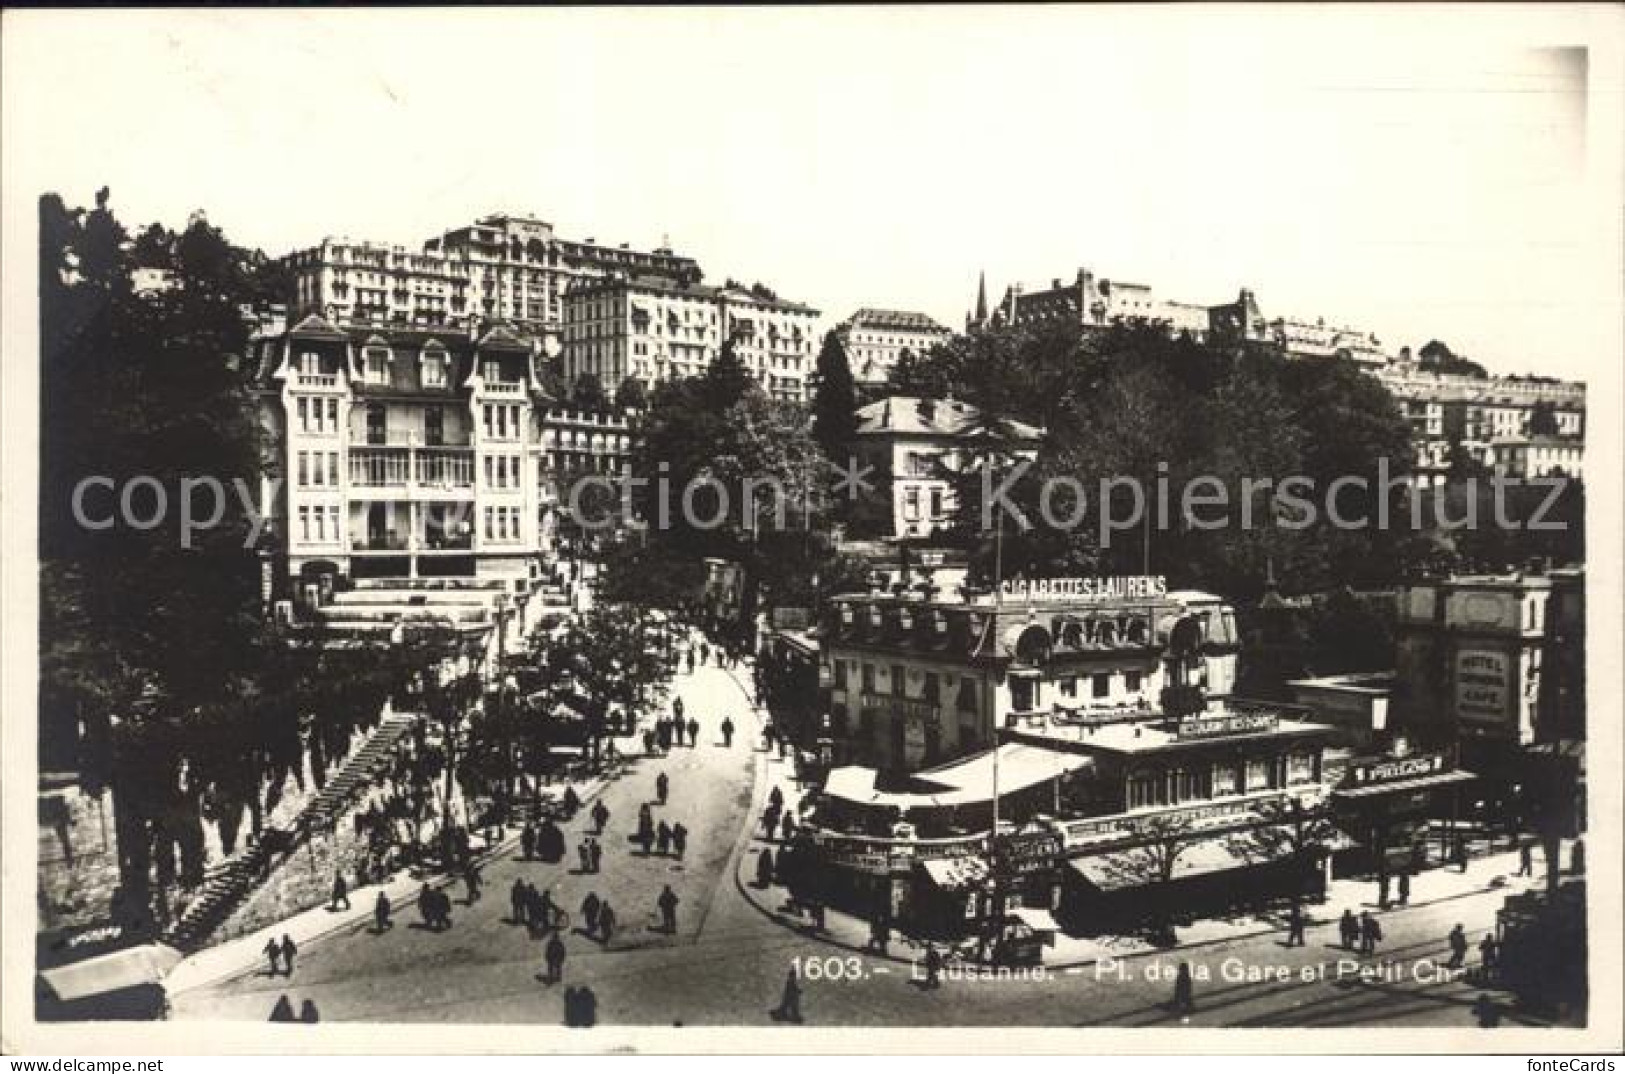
(445,467)
(317,380)
(504,387)
(434,541)
(379,541)
(380,467)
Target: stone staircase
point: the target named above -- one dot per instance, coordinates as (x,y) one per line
(226,884)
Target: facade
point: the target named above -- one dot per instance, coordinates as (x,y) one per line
(411,471)
(874,339)
(500,269)
(1491,418)
(921,677)
(1302,339)
(654,329)
(915,447)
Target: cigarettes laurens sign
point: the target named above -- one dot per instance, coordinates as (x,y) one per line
(1126,587)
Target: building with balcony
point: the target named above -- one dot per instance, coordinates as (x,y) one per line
(409,459)
(654,329)
(874,339)
(1317,339)
(916,448)
(501,269)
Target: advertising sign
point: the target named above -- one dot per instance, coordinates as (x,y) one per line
(1234,724)
(1424,764)
(1129,587)
(1483,685)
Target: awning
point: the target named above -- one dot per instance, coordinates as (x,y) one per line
(1035,918)
(1403,786)
(1136,866)
(963,782)
(956,874)
(129,968)
(851,783)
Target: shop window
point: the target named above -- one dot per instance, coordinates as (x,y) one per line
(1258,775)
(1224,780)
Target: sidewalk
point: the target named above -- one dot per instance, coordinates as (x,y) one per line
(247,953)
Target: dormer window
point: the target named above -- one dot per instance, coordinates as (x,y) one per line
(310,363)
(876,618)
(905,619)
(846,614)
(435,365)
(374,364)
(939,623)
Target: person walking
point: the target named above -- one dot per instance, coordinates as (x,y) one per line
(1370,934)
(597,856)
(1405,888)
(273,952)
(646,834)
(880,934)
(1348,929)
(770,821)
(789,1009)
(693,732)
(516,901)
(1489,953)
(649,740)
(527,841)
(471,881)
(380,914)
(1295,926)
(1526,859)
(662,786)
(775,798)
(555,959)
(546,908)
(600,816)
(933,967)
(677,708)
(679,839)
(663,838)
(288,951)
(1487,1011)
(1458,948)
(584,853)
(571,802)
(589,911)
(341,893)
(1184,991)
(606,922)
(764,868)
(1461,854)
(788,826)
(668,909)
(727,732)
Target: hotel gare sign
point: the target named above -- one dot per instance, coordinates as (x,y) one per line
(1123,587)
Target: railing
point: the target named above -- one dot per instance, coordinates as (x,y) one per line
(504,387)
(454,470)
(379,467)
(447,542)
(318,380)
(378,542)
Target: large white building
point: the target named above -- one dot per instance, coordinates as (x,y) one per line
(502,268)
(874,339)
(653,329)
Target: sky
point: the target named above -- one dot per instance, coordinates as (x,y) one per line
(1420,173)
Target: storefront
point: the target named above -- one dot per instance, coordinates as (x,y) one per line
(1402,811)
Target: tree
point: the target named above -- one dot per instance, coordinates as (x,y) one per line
(631,395)
(1164,841)
(1288,830)
(1543,419)
(588,393)
(835,401)
(727,381)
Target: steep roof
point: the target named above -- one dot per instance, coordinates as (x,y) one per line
(907,414)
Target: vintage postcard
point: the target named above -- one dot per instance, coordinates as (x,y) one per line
(813,529)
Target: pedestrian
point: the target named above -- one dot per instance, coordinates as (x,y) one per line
(527,841)
(1370,934)
(674,732)
(693,731)
(649,740)
(1405,888)
(668,909)
(308,1014)
(789,1009)
(548,911)
(517,897)
(471,880)
(1461,854)
(933,966)
(288,951)
(770,821)
(555,959)
(662,786)
(879,934)
(597,856)
(1458,948)
(663,838)
(273,951)
(1348,929)
(775,798)
(589,912)
(768,736)
(646,835)
(1526,859)
(587,1009)
(571,802)
(764,869)
(1184,991)
(788,827)
(380,914)
(679,839)
(443,907)
(727,732)
(282,1010)
(1488,953)
(600,816)
(1486,1011)
(677,708)
(572,1007)
(1294,927)
(341,893)
(584,853)
(606,922)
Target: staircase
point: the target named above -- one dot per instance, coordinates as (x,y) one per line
(226,884)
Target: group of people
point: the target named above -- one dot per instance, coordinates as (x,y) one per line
(669,731)
(281,955)
(1361,933)
(597,918)
(702,651)
(544,841)
(777,821)
(531,906)
(652,836)
(591,854)
(434,907)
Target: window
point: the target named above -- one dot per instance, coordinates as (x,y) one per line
(304,468)
(309,364)
(332,416)
(933,688)
(1102,685)
(333,468)
(911,503)
(1258,775)
(966,702)
(1224,779)
(304,415)
(488,528)
(1131,681)
(434,369)
(898,687)
(868,678)
(1069,686)
(377,425)
(1300,768)
(1143,790)
(840,674)
(937,508)
(434,426)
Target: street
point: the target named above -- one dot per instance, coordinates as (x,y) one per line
(727,962)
